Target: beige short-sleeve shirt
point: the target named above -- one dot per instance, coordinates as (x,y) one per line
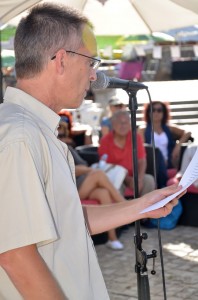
(39,202)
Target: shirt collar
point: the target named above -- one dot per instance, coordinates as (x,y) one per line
(19,97)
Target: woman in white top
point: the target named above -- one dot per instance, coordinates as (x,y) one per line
(168,137)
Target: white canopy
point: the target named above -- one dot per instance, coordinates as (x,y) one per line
(118,17)
(189,4)
(11,8)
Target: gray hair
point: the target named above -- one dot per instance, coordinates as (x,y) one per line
(46,29)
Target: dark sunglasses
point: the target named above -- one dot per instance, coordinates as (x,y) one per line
(159,110)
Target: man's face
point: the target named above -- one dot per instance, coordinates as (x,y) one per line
(80,71)
(122,125)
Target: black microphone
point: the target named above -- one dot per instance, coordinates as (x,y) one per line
(104,82)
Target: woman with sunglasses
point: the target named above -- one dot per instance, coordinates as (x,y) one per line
(168,137)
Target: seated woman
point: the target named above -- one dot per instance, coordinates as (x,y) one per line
(94,184)
(167,137)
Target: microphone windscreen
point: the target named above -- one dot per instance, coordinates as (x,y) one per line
(101,82)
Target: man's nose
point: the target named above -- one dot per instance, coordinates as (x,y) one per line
(93,75)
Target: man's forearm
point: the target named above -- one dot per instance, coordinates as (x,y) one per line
(101,218)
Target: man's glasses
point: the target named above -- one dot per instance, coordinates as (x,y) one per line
(95,62)
(159,110)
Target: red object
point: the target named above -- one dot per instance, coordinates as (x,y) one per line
(128,192)
(119,156)
(171,172)
(66,113)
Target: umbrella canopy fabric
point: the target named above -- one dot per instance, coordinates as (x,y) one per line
(129,17)
(185,34)
(8,10)
(144,38)
(189,4)
(11,8)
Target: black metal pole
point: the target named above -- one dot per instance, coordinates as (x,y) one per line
(141,256)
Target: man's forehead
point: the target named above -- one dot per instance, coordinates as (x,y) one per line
(89,40)
(122,119)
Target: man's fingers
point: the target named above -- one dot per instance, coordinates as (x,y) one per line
(168,207)
(174,202)
(172,189)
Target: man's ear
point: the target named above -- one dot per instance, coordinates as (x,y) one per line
(60,61)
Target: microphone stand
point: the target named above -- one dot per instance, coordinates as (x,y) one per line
(141,255)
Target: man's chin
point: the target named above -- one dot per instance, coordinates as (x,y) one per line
(76,104)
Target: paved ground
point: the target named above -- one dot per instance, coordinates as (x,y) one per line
(180,255)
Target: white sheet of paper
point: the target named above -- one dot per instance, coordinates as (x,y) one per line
(188,178)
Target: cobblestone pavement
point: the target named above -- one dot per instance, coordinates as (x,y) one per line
(180,255)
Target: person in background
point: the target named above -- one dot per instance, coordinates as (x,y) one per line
(64,131)
(168,137)
(114,105)
(79,135)
(186,159)
(117,144)
(46,251)
(94,184)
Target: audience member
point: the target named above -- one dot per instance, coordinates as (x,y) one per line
(80,134)
(186,159)
(114,105)
(94,184)
(45,247)
(117,144)
(64,132)
(168,137)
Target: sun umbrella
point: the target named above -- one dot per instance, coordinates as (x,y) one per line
(144,38)
(189,4)
(129,17)
(9,9)
(185,34)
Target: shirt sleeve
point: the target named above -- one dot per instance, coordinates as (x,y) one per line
(105,122)
(25,217)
